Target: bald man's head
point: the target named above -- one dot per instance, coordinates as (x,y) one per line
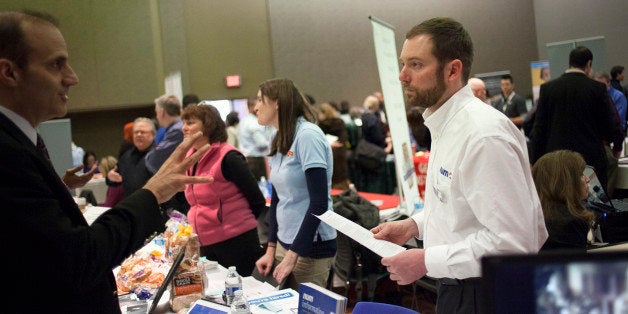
(478,87)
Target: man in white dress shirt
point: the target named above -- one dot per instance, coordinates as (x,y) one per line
(480,198)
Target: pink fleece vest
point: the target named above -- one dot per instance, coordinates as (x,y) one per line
(218,210)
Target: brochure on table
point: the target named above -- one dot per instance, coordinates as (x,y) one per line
(279,301)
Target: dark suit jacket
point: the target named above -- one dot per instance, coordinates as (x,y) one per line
(55,262)
(574,112)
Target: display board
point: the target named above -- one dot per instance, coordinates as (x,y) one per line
(173,85)
(540,73)
(388,67)
(558,54)
(57,134)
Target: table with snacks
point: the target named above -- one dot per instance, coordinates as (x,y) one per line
(142,274)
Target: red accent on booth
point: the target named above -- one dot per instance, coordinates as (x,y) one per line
(420,168)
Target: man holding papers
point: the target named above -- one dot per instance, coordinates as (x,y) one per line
(480,198)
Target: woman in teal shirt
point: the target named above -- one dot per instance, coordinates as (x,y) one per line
(301,165)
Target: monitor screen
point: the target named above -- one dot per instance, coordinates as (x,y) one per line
(561,282)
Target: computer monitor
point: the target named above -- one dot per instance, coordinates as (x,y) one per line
(561,282)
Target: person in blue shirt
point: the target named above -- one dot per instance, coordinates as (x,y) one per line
(159,135)
(301,163)
(168,115)
(618,98)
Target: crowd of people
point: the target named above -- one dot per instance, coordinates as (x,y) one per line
(193,162)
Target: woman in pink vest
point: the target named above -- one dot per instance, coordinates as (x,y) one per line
(223,213)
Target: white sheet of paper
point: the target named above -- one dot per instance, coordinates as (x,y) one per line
(360,234)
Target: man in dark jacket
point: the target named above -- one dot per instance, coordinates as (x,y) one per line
(574,112)
(55,261)
(131,170)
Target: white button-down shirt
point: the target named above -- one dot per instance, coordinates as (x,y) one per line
(480,197)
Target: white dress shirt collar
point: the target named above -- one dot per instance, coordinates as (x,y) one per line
(21,123)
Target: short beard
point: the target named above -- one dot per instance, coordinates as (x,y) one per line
(427,97)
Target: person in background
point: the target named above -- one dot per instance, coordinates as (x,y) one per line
(55,254)
(301,165)
(369,174)
(223,213)
(232,121)
(510,103)
(127,141)
(190,100)
(168,114)
(562,188)
(545,75)
(344,111)
(131,171)
(419,133)
(471,208)
(89,162)
(479,89)
(254,141)
(617,76)
(618,98)
(619,117)
(160,133)
(381,113)
(574,112)
(114,193)
(373,130)
(331,124)
(78,154)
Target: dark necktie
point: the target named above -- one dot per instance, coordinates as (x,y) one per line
(41,147)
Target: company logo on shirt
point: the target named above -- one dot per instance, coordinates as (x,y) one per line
(446,172)
(290,153)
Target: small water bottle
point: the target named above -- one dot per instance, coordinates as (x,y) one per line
(240,305)
(233,283)
(264,187)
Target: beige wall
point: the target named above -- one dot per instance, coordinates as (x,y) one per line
(208,40)
(326,46)
(123,49)
(608,18)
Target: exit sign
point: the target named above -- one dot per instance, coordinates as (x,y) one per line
(233,81)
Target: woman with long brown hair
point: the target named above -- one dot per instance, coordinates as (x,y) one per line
(562,187)
(301,165)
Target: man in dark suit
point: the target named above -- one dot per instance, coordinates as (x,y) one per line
(54,261)
(574,112)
